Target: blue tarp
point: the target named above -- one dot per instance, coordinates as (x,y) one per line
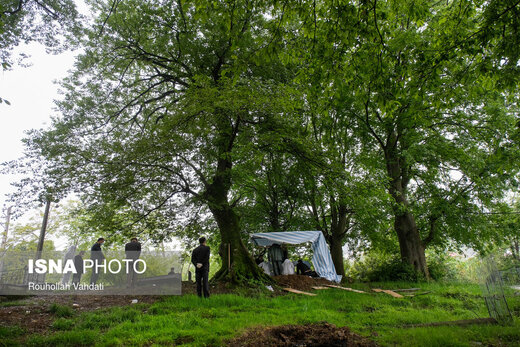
(321,255)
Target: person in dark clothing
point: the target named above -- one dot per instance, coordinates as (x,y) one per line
(304,269)
(97,256)
(78,264)
(275,255)
(132,252)
(200,259)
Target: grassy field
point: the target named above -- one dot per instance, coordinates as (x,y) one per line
(191,321)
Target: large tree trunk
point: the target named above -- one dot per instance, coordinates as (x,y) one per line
(340,223)
(336,251)
(238,266)
(410,243)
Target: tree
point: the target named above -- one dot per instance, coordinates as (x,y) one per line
(272,195)
(407,81)
(161,111)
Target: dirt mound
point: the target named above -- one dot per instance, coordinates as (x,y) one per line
(300,282)
(315,335)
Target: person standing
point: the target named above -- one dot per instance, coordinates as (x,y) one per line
(200,259)
(78,264)
(97,256)
(132,252)
(275,255)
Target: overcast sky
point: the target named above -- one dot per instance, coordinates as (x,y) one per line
(31,91)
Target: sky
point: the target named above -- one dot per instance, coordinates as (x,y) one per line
(31,91)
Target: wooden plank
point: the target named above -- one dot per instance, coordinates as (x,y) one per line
(345,288)
(389,292)
(406,290)
(296,291)
(318,287)
(392,293)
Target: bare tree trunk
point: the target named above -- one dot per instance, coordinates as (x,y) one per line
(340,224)
(410,243)
(43,230)
(336,251)
(238,265)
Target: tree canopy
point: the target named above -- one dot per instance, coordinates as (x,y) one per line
(54,23)
(344,117)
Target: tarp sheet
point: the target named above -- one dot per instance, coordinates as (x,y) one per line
(321,258)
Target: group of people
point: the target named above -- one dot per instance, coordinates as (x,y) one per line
(200,259)
(132,252)
(279,263)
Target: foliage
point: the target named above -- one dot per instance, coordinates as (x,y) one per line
(267,116)
(377,266)
(67,221)
(53,23)
(443,266)
(432,126)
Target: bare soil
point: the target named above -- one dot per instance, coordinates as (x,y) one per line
(300,282)
(33,314)
(315,335)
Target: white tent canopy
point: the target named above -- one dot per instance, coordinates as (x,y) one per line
(321,258)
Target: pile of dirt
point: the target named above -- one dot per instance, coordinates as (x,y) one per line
(315,335)
(300,282)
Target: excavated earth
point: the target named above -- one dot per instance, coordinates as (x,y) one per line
(300,282)
(315,335)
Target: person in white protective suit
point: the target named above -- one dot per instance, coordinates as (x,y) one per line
(287,267)
(266,267)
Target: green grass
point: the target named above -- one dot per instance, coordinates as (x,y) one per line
(192,321)
(61,310)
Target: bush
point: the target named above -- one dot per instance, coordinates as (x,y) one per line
(375,266)
(442,266)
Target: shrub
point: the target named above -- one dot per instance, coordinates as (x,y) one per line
(442,267)
(376,266)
